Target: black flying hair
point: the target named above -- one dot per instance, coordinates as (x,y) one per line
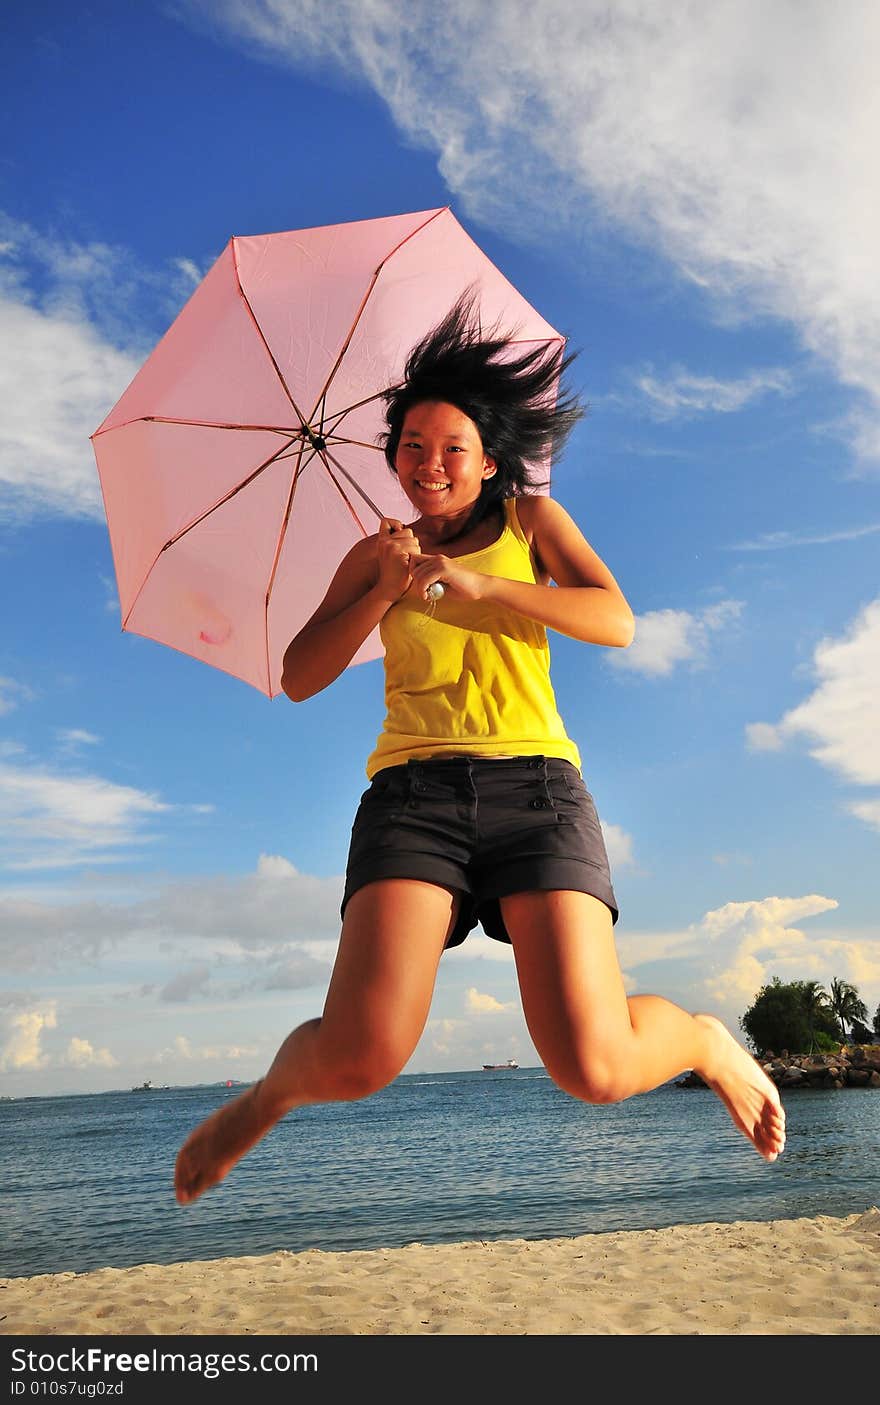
(515,399)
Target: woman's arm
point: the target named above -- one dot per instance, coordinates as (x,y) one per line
(586,602)
(370,578)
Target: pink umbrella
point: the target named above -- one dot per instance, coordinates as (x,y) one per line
(241,463)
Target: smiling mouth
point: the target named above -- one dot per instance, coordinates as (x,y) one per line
(432,487)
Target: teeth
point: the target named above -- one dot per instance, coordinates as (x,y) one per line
(433,487)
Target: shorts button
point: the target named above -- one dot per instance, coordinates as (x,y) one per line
(539,804)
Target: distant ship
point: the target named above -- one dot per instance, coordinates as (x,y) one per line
(491,1068)
(146,1087)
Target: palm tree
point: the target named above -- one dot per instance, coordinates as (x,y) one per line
(815,1002)
(846,1005)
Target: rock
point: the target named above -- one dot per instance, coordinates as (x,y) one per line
(852,1066)
(792,1078)
(691,1080)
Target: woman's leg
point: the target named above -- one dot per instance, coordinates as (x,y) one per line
(380,993)
(602,1047)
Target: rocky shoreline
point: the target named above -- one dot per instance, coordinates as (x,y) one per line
(853,1066)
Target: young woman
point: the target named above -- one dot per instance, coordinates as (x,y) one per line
(476,808)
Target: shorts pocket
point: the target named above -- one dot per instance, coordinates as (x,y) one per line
(386,794)
(575,785)
(572,801)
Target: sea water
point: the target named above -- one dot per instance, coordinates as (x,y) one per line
(86,1181)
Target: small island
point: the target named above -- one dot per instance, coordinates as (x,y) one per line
(851,1066)
(808,1024)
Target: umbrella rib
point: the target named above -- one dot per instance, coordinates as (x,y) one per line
(357,317)
(339,415)
(279,544)
(188,528)
(259,329)
(354,483)
(362,443)
(227,497)
(345,498)
(195,424)
(286,520)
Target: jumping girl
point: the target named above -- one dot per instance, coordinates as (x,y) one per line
(476,809)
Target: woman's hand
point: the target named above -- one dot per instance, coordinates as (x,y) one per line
(396,549)
(456,579)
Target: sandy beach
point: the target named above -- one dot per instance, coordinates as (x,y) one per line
(782,1277)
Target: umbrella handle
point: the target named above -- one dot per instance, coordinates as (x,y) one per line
(436,590)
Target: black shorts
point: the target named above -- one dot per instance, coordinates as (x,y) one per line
(485,827)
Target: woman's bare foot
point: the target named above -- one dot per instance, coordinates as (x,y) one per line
(742,1085)
(211,1151)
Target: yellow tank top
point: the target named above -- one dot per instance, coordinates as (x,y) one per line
(470,676)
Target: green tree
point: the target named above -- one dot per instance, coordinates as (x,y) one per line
(844,1001)
(877,1020)
(816,1006)
(787,1015)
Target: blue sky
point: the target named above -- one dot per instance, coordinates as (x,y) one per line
(694,201)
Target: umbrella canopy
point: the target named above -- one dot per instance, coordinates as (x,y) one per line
(241,463)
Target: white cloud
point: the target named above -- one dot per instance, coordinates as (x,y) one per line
(618,846)
(52,820)
(720,962)
(190,270)
(780,541)
(57,382)
(842,714)
(666,638)
(757,934)
(193,981)
(738,138)
(74,323)
(275,866)
(81,1054)
(181,1050)
(470,1042)
(480,1003)
(867,810)
(442,1036)
(271,929)
(11,693)
(72,738)
(480,947)
(22,1046)
(763,736)
(685,394)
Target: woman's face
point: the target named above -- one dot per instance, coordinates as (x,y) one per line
(440,459)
